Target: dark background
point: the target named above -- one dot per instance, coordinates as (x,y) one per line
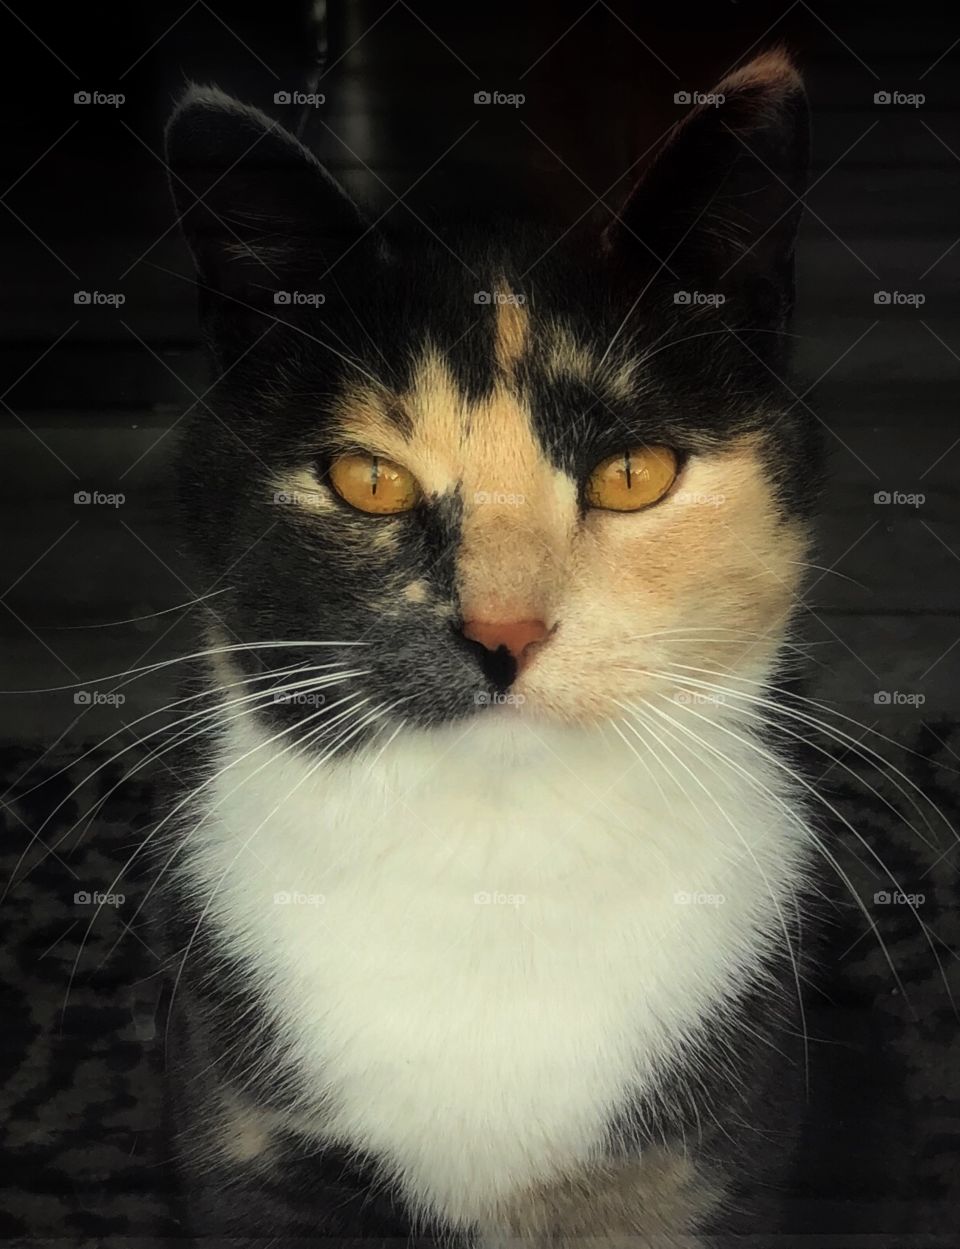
(92,396)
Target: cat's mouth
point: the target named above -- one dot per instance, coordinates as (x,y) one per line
(503,651)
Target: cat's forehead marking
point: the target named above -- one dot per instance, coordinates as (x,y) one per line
(517,508)
(512,330)
(566,357)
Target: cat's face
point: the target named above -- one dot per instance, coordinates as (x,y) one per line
(522,473)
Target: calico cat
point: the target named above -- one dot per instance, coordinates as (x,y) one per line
(484,913)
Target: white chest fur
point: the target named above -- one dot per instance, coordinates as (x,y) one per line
(495,932)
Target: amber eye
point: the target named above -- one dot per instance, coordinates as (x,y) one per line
(373,484)
(632,479)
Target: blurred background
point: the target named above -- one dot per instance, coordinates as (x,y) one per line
(99,363)
(93,393)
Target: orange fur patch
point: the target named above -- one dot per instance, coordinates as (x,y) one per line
(707,576)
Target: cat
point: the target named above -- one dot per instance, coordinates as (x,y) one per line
(484,914)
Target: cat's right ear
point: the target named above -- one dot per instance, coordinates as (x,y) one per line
(259,211)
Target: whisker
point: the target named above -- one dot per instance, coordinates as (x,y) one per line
(807,831)
(373,715)
(206,713)
(150,615)
(179,659)
(855,746)
(779,728)
(800,780)
(180,845)
(178,807)
(149,715)
(756,862)
(821,706)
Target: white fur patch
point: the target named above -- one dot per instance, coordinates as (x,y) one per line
(502,929)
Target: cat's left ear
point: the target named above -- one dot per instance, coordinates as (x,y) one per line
(720,204)
(258,209)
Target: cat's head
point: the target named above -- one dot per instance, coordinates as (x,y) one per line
(524,466)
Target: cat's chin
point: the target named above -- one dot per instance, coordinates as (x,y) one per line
(516,732)
(526,712)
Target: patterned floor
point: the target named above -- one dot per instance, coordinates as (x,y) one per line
(81,1107)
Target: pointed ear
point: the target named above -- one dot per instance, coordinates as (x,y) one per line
(259,211)
(720,202)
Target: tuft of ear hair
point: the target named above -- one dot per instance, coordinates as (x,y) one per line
(258,209)
(718,208)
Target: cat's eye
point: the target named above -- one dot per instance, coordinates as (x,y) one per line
(632,479)
(372,484)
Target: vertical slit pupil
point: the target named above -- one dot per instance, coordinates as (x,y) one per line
(374,474)
(626,468)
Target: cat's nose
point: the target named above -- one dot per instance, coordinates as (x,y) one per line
(517,636)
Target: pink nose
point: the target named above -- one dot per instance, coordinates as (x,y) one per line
(516,635)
